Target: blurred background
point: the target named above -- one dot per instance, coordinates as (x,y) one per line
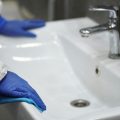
(54,9)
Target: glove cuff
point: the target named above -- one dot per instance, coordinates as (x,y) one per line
(2,22)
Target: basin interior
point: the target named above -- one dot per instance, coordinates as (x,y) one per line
(46,66)
(51,66)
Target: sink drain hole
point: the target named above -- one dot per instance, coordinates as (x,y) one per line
(80,103)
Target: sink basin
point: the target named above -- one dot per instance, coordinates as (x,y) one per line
(64,67)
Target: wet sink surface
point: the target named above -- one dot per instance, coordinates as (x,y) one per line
(62,71)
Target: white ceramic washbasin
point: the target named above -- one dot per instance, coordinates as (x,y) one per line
(62,67)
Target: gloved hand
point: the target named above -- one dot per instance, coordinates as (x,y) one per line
(16,28)
(14,88)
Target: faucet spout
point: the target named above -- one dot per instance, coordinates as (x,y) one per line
(85,32)
(113,26)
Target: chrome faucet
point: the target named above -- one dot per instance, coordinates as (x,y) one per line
(113,26)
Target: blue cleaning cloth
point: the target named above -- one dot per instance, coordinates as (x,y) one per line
(17,28)
(15,89)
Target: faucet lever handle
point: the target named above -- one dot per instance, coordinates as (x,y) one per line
(113,10)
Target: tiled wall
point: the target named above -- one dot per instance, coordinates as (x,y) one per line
(67,8)
(40,8)
(70,8)
(79,8)
(103,2)
(34,8)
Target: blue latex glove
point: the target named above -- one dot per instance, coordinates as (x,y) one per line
(17,28)
(14,89)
